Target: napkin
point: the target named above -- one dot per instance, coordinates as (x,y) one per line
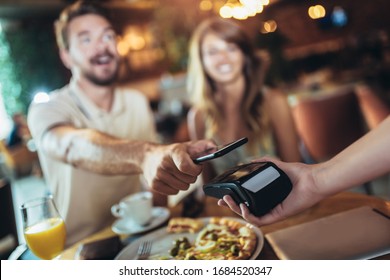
(360,233)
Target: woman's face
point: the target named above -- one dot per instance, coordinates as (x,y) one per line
(223,61)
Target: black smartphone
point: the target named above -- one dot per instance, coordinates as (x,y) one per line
(220,151)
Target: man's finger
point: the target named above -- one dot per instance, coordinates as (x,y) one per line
(163,188)
(179,169)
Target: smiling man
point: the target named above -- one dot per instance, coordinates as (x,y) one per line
(95,139)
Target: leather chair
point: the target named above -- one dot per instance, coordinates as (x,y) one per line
(373,108)
(18,161)
(328,123)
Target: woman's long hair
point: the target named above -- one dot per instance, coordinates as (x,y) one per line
(202,87)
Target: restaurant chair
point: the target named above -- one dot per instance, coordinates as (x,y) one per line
(17,161)
(374,109)
(328,123)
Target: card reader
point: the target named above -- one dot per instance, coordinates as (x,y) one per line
(259,185)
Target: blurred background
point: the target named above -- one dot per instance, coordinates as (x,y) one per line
(309,41)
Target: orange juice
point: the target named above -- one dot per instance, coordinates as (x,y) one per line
(47,238)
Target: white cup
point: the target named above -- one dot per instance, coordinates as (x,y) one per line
(137,207)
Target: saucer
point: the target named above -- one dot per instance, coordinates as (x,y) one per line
(127,226)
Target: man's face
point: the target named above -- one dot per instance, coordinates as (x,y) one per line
(92,49)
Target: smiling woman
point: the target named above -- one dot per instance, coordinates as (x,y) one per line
(226,80)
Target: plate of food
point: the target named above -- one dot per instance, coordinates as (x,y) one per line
(213,238)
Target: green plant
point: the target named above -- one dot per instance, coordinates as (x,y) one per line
(29,63)
(9,86)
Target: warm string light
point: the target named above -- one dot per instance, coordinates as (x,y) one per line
(138,46)
(238,9)
(316,12)
(269,26)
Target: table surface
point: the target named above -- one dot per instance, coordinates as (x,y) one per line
(332,205)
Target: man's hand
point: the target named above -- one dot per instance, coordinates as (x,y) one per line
(170,169)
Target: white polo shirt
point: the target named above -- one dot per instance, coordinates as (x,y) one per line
(84,198)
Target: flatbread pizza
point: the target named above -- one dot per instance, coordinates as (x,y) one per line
(221,239)
(179,225)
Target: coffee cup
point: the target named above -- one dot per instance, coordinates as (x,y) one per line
(137,207)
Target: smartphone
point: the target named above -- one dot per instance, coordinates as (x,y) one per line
(218,152)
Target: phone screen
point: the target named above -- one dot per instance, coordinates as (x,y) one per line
(219,151)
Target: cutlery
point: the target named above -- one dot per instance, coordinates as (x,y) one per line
(144,250)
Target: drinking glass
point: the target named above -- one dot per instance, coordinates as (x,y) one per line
(44,229)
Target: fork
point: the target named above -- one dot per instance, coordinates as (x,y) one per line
(144,250)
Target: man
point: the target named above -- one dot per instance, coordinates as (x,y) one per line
(93,139)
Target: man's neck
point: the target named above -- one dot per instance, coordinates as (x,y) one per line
(101,96)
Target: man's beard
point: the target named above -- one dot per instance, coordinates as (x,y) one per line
(107,81)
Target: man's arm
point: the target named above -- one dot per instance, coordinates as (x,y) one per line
(167,168)
(94,151)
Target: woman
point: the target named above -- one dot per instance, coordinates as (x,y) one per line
(230,101)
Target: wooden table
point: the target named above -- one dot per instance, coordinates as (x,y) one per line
(335,204)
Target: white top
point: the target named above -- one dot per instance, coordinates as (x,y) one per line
(84,198)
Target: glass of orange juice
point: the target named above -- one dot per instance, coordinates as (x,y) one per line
(44,229)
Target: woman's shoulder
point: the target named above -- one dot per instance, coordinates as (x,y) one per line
(272,93)
(196,123)
(274,97)
(194,112)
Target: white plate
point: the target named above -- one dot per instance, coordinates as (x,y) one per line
(163,241)
(127,226)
